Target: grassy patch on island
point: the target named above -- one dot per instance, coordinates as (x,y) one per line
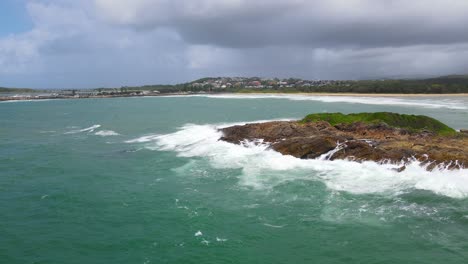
(414,123)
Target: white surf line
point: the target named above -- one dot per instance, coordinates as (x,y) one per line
(371,100)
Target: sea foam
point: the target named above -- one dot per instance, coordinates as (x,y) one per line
(106,133)
(265,168)
(143,139)
(88,129)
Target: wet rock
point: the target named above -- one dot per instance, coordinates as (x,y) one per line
(307,147)
(357,141)
(400,169)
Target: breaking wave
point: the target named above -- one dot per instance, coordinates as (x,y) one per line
(106,133)
(143,139)
(88,129)
(370,100)
(264,168)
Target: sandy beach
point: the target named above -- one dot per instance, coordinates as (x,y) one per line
(25,98)
(361,94)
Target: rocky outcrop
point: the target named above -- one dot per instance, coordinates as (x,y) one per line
(358,141)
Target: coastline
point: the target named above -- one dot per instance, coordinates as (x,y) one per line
(360,94)
(29,98)
(34,98)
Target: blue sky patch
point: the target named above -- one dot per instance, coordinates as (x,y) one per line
(13,17)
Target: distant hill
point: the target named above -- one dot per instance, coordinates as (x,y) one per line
(454,76)
(16,90)
(436,85)
(449,79)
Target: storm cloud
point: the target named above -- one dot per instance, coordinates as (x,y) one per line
(243,23)
(94,43)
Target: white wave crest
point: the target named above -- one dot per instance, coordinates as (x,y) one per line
(88,129)
(265,168)
(370,100)
(106,133)
(156,137)
(143,139)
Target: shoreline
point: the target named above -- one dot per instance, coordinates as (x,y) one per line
(30,98)
(359,94)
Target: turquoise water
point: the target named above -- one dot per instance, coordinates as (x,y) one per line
(144,180)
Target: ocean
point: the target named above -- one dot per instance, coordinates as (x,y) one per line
(145,180)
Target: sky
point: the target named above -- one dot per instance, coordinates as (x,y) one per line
(113,43)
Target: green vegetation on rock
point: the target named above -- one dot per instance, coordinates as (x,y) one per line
(413,123)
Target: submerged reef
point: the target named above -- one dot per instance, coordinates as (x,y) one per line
(381,137)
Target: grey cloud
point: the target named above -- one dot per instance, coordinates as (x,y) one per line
(87,53)
(333,63)
(92,43)
(307,23)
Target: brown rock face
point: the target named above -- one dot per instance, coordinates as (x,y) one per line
(306,147)
(356,141)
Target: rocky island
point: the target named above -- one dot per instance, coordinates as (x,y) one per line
(382,137)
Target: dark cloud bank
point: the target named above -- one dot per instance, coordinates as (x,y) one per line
(123,42)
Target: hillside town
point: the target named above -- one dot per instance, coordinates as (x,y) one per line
(205,85)
(259,83)
(440,85)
